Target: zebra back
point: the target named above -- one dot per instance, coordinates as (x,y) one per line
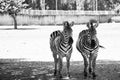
(55,34)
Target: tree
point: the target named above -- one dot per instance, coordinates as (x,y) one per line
(10,7)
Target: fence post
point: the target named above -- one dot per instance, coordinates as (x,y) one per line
(56,12)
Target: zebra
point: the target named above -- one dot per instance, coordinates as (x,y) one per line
(61,46)
(88,45)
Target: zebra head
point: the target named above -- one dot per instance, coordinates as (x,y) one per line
(92,25)
(67,31)
(67,28)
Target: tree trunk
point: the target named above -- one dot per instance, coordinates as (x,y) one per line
(15,21)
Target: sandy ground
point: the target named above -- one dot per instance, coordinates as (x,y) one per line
(32,42)
(106,70)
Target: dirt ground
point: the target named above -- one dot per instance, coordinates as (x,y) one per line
(106,70)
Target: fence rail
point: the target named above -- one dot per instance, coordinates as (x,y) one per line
(63,12)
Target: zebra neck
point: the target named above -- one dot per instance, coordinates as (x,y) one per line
(64,38)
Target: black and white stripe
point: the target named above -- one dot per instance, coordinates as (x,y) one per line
(88,46)
(61,46)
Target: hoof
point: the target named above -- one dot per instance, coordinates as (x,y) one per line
(94,76)
(90,70)
(67,78)
(85,76)
(68,75)
(55,73)
(60,76)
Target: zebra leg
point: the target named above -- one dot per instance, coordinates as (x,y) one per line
(85,67)
(90,63)
(55,61)
(60,67)
(68,66)
(94,66)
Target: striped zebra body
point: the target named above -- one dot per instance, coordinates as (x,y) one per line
(88,46)
(84,46)
(61,46)
(53,36)
(60,43)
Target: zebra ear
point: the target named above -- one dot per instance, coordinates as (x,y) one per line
(88,25)
(93,23)
(65,23)
(96,25)
(71,24)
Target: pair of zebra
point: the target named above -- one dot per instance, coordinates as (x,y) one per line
(87,44)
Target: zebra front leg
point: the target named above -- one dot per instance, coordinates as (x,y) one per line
(91,56)
(60,67)
(90,63)
(94,66)
(85,67)
(55,63)
(68,66)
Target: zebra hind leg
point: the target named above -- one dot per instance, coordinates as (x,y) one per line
(55,63)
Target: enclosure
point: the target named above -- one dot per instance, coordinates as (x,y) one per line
(25,52)
(54,12)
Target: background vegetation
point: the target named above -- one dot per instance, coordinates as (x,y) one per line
(64,5)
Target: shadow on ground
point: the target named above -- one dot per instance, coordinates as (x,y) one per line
(44,71)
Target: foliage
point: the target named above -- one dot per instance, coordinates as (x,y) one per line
(9,6)
(29,4)
(102,4)
(108,4)
(6,6)
(50,4)
(67,6)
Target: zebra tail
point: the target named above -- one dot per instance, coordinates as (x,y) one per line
(101,46)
